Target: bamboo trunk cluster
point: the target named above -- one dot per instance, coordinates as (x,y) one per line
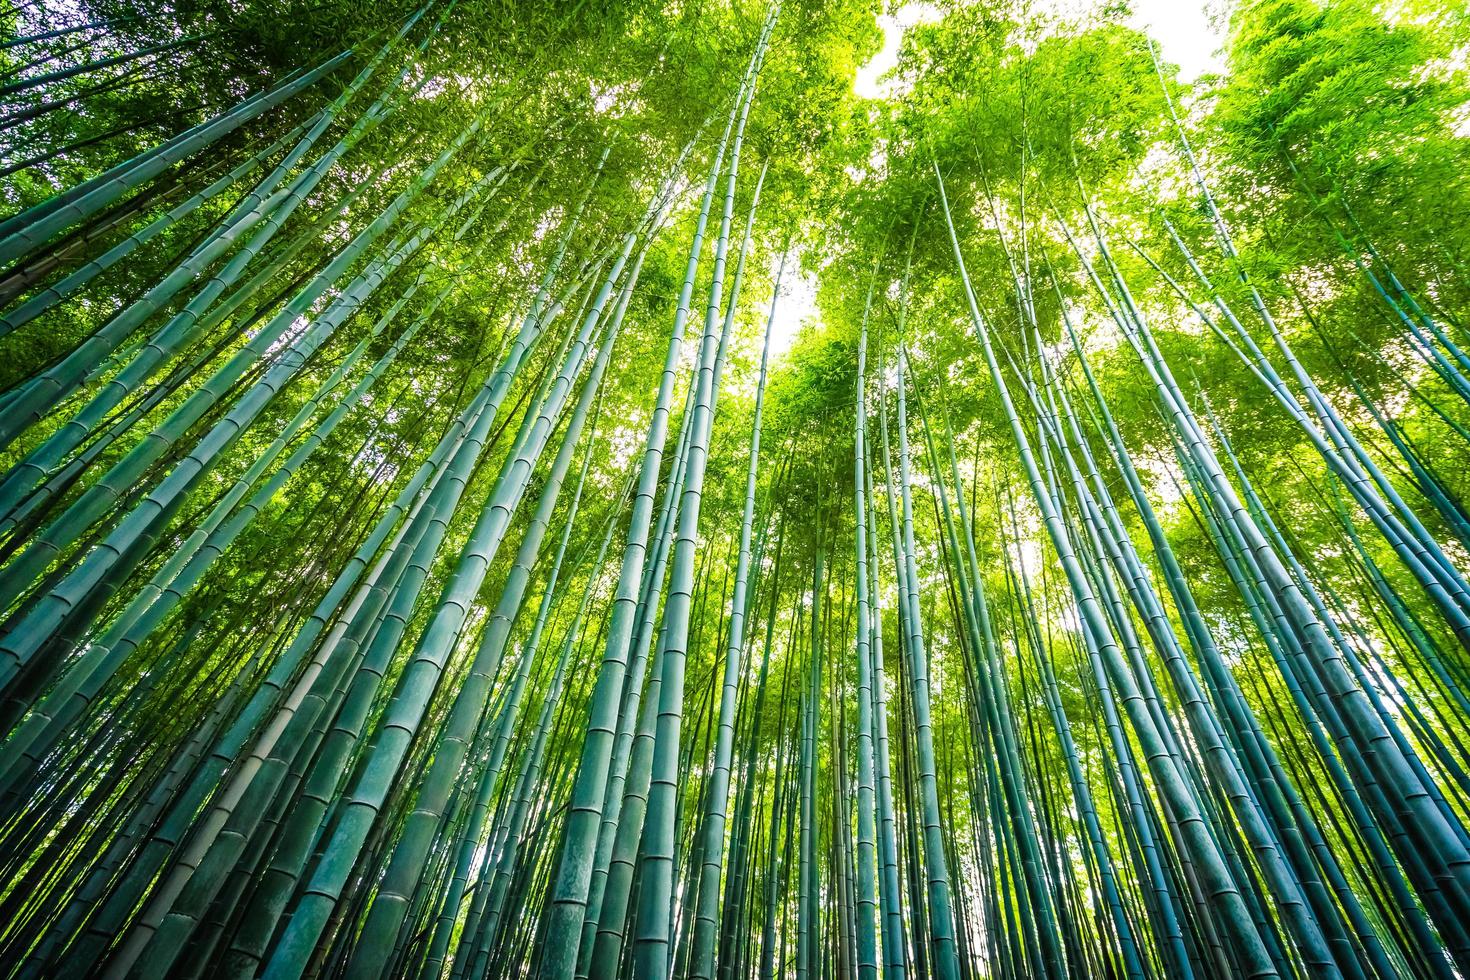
(376,601)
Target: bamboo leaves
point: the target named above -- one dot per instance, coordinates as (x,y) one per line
(1079,592)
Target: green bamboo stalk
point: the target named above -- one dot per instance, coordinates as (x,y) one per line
(867,899)
(1224,896)
(579,835)
(29,229)
(389,905)
(718,801)
(941,913)
(656,872)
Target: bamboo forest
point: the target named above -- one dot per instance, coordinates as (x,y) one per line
(735,488)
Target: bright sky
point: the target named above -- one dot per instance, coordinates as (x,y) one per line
(1182,29)
(797,304)
(893,24)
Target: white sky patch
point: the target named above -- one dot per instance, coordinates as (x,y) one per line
(1184,31)
(869,82)
(608,101)
(797,305)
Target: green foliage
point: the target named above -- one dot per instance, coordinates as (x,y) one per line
(1169,581)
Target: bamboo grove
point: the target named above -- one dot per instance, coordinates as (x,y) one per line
(430,545)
